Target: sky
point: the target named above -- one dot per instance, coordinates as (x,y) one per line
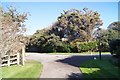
(44,14)
(59,0)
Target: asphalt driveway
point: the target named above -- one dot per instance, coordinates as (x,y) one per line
(61,66)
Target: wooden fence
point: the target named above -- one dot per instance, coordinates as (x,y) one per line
(18,58)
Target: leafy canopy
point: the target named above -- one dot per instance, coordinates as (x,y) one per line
(77,24)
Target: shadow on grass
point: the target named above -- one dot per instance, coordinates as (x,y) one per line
(75,76)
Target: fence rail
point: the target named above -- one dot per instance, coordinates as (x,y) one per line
(17,58)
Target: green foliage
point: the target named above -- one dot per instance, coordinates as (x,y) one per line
(114,31)
(52,43)
(106,35)
(87,46)
(48,43)
(72,25)
(64,47)
(77,24)
(115,47)
(113,34)
(104,39)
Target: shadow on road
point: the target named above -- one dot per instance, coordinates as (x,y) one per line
(75,60)
(76,76)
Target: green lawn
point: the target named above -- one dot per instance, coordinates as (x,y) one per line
(0,73)
(31,69)
(100,69)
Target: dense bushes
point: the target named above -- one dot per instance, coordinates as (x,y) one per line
(87,46)
(48,44)
(54,44)
(114,46)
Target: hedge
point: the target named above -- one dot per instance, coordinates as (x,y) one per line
(87,46)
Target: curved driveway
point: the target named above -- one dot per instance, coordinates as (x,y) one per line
(60,66)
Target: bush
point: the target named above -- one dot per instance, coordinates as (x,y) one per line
(64,47)
(52,43)
(114,47)
(87,46)
(48,44)
(104,46)
(32,48)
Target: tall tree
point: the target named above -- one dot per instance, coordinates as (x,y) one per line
(106,35)
(74,24)
(0,34)
(114,30)
(11,30)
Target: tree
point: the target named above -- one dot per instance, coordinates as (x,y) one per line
(114,30)
(104,39)
(115,47)
(114,26)
(12,28)
(74,24)
(0,34)
(106,35)
(114,38)
(43,42)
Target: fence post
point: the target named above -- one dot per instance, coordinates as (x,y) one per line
(18,58)
(23,55)
(8,59)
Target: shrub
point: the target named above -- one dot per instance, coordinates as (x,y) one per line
(87,46)
(104,46)
(114,47)
(64,47)
(48,44)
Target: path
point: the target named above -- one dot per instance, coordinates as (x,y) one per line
(60,66)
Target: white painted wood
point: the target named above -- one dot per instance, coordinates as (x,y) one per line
(18,58)
(23,55)
(8,60)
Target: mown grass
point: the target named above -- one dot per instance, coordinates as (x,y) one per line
(100,69)
(0,73)
(31,69)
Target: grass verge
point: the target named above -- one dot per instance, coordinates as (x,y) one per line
(100,69)
(31,69)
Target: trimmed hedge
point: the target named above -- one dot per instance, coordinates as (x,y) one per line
(64,47)
(87,46)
